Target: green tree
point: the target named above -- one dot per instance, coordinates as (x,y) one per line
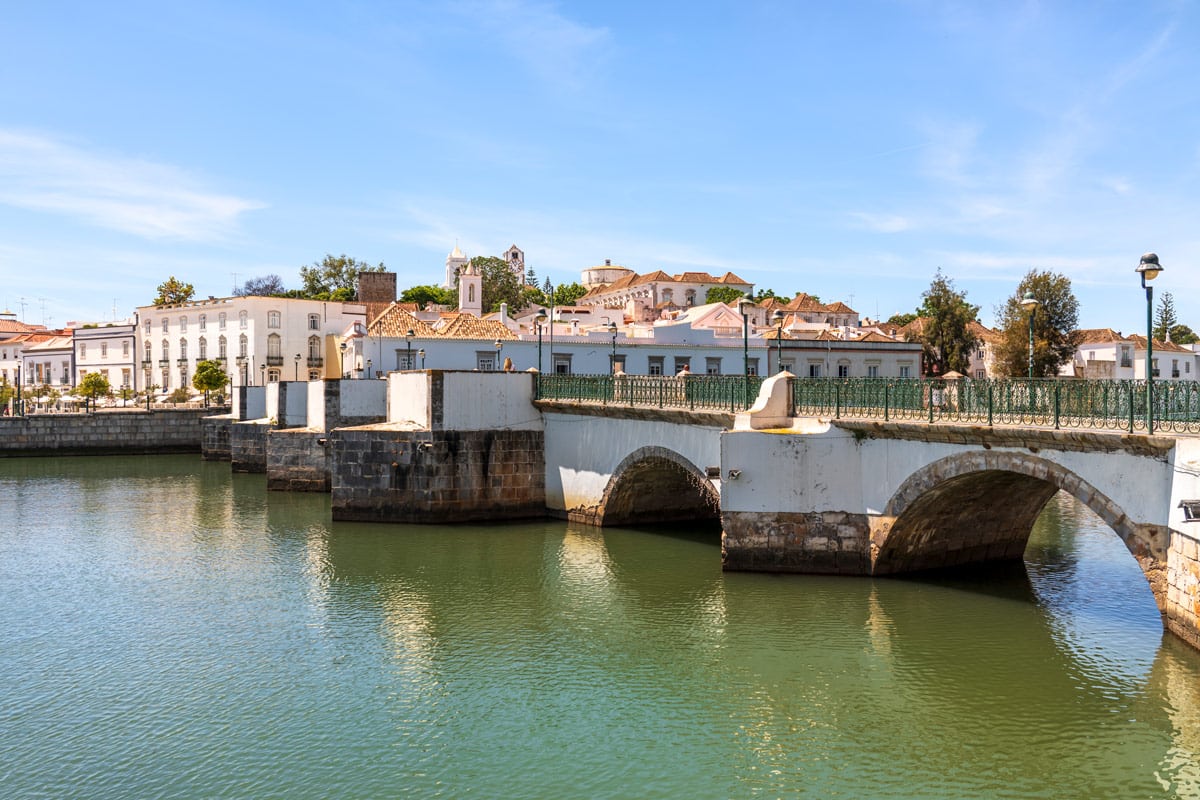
(173,292)
(92,386)
(947,337)
(334,277)
(1165,322)
(900,320)
(265,286)
(530,277)
(565,294)
(426,294)
(209,377)
(723,294)
(1055,320)
(765,294)
(500,285)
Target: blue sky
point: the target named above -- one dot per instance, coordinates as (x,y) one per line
(844,149)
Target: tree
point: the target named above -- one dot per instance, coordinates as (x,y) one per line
(426,294)
(947,337)
(900,320)
(722,294)
(265,286)
(1055,320)
(565,294)
(766,294)
(173,292)
(209,376)
(530,277)
(1166,324)
(334,277)
(92,386)
(500,285)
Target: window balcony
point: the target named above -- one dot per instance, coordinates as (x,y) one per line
(147,363)
(1174,373)
(274,361)
(316,363)
(182,362)
(164,362)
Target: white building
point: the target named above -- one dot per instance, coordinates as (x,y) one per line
(1105,353)
(109,348)
(256,339)
(643,298)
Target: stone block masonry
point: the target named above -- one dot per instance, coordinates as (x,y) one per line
(248,446)
(109,432)
(1182,608)
(383,473)
(298,460)
(214,444)
(829,542)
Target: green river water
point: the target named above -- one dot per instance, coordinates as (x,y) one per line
(168,630)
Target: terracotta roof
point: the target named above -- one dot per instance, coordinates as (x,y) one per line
(804,302)
(649,277)
(13,326)
(874,336)
(696,277)
(465,326)
(396,320)
(840,308)
(729,277)
(1100,336)
(1168,347)
(985,333)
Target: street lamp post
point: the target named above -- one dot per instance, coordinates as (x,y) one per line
(540,319)
(744,306)
(612,329)
(296,371)
(1149,269)
(777,318)
(408,337)
(342,347)
(1030,303)
(262,374)
(370,374)
(499,346)
(421,353)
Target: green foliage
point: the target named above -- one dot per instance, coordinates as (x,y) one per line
(565,294)
(530,277)
(722,294)
(209,377)
(265,286)
(1055,321)
(173,292)
(1166,322)
(93,385)
(7,392)
(334,277)
(426,294)
(500,285)
(180,395)
(947,337)
(900,320)
(765,294)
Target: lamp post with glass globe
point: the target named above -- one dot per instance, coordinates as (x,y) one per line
(777,318)
(1149,268)
(540,319)
(1030,303)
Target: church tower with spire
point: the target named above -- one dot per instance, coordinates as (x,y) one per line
(456,262)
(470,290)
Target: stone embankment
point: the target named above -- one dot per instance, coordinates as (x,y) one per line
(108,432)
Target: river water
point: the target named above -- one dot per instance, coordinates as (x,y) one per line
(168,630)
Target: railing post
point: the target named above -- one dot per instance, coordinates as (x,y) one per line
(837,400)
(1057,403)
(1131,406)
(991,402)
(930,385)
(886,398)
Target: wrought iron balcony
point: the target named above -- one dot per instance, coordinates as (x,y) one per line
(164,362)
(317,362)
(181,362)
(274,361)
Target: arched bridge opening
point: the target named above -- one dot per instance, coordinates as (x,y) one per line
(975,507)
(653,485)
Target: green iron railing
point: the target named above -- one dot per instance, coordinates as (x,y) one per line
(732,393)
(1095,404)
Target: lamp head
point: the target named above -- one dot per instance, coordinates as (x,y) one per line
(541,317)
(744,305)
(778,316)
(499,344)
(343,346)
(1149,267)
(1029,301)
(410,335)
(612,328)
(421,352)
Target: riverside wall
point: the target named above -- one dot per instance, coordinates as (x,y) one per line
(108,432)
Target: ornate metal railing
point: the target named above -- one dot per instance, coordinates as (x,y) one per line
(731,393)
(1096,404)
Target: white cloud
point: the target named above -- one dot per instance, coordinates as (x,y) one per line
(883,223)
(147,199)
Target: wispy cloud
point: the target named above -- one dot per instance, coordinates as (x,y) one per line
(144,198)
(556,49)
(882,223)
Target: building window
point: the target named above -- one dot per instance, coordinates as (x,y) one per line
(146,327)
(562,363)
(617,364)
(183,348)
(125,349)
(203,322)
(221,321)
(872,370)
(843,370)
(980,374)
(690,297)
(314,322)
(183,324)
(752,368)
(148,352)
(274,346)
(814,369)
(272,376)
(1126,358)
(166,349)
(183,377)
(904,370)
(82,350)
(666,295)
(682,363)
(243,346)
(166,378)
(656,365)
(712,366)
(485,361)
(222,348)
(203,345)
(104,349)
(164,325)
(241,319)
(272,319)
(125,378)
(314,347)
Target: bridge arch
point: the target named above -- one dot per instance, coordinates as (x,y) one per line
(981,506)
(656,484)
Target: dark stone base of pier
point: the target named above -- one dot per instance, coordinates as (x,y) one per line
(125,431)
(214,437)
(298,460)
(829,543)
(388,475)
(248,446)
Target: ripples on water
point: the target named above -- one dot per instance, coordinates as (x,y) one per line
(169,631)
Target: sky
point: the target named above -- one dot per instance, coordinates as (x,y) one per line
(848,150)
